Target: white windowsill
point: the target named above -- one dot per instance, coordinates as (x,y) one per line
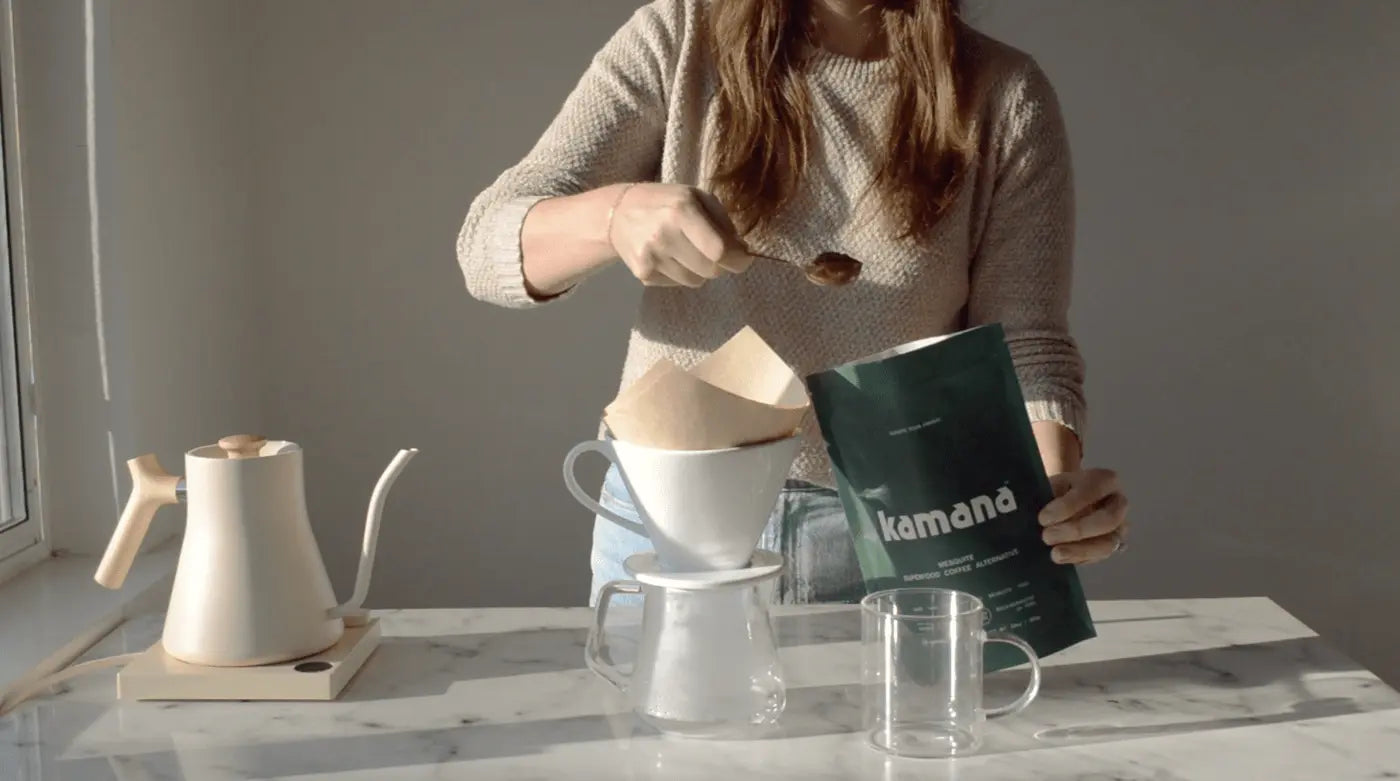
(54,610)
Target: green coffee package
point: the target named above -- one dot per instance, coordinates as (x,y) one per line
(942,482)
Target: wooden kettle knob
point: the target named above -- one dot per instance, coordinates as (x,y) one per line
(242,445)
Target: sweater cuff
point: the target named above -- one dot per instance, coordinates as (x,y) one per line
(504,250)
(1067,413)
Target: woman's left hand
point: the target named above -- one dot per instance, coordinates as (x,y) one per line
(1087,520)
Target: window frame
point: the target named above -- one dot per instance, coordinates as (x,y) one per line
(27,541)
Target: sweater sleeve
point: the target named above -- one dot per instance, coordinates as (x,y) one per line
(1022,269)
(610,129)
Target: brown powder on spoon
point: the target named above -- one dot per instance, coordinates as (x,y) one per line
(834,268)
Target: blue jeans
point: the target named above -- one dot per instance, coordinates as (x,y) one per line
(808,526)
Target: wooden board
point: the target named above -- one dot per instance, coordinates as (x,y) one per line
(156,676)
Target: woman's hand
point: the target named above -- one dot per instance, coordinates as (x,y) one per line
(672,234)
(1087,520)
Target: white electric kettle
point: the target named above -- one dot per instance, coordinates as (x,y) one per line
(250,587)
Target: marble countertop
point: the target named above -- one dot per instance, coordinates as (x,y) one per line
(1191,689)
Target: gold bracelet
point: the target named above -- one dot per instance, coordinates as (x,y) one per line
(612,211)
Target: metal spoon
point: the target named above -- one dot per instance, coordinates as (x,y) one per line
(831,269)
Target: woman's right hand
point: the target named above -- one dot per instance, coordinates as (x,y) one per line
(673,234)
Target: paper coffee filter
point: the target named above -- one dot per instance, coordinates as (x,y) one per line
(746,366)
(741,394)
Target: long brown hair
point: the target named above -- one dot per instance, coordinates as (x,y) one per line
(764,109)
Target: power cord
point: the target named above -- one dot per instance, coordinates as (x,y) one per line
(25,688)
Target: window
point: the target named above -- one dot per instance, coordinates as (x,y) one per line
(20,529)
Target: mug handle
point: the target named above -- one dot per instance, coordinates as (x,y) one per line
(593,655)
(1032,688)
(605,449)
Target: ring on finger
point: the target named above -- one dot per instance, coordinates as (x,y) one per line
(1119,544)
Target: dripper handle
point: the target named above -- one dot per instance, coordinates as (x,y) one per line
(151,487)
(593,654)
(605,449)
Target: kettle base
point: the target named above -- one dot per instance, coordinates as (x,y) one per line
(155,675)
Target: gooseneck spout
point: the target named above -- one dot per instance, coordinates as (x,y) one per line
(350,609)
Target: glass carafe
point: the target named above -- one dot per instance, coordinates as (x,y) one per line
(707,661)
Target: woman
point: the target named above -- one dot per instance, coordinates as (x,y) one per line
(884,129)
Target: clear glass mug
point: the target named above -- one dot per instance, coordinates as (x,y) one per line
(922,671)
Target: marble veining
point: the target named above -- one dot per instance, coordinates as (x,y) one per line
(1190,689)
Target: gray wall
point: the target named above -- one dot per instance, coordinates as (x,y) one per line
(1239,183)
(168,218)
(1237,176)
(56,238)
(179,280)
(374,128)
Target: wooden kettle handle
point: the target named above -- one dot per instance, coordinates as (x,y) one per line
(151,487)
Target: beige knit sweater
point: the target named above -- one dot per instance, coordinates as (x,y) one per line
(643,112)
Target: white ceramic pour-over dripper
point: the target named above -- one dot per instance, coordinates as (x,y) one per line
(701,509)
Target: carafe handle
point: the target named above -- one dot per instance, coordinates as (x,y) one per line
(593,655)
(1032,688)
(151,488)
